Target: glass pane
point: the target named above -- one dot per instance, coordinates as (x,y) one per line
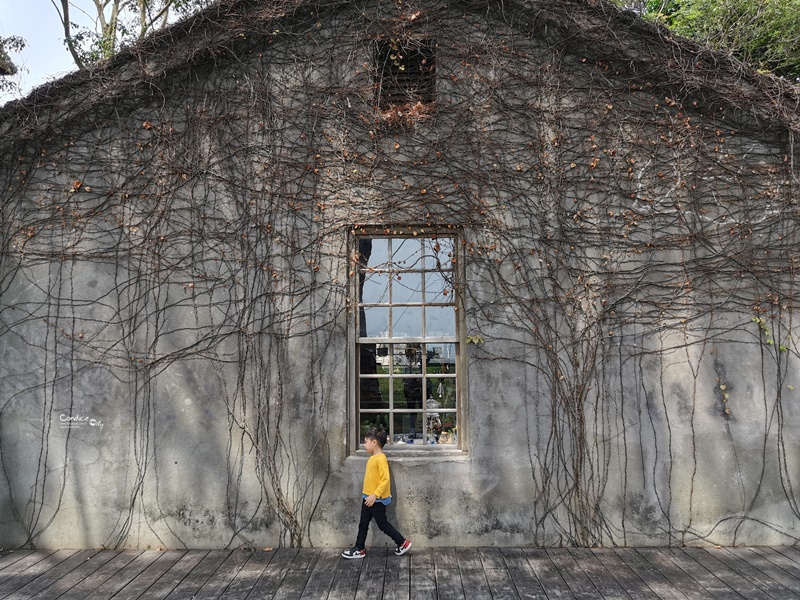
(408,428)
(442,428)
(442,392)
(439,287)
(374,322)
(374,252)
(369,420)
(406,253)
(407,321)
(407,358)
(440,321)
(383,359)
(368,360)
(376,289)
(441,358)
(439,253)
(408,393)
(374,392)
(407,287)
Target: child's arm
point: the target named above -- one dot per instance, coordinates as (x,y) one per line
(384,486)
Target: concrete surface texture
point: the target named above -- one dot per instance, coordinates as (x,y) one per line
(179,283)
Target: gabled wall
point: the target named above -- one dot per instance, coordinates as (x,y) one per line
(177,273)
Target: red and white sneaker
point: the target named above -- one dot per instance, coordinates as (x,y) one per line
(403,548)
(355,553)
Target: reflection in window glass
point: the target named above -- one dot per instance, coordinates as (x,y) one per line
(440,428)
(412,392)
(407,321)
(376,289)
(374,393)
(438,287)
(368,358)
(374,253)
(406,254)
(372,420)
(375,321)
(407,358)
(441,358)
(440,321)
(410,388)
(446,428)
(439,254)
(443,391)
(407,288)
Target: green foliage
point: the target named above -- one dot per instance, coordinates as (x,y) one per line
(119,23)
(763,33)
(7,67)
(767,333)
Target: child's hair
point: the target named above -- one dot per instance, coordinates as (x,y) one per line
(379,435)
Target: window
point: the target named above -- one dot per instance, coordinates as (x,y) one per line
(407,339)
(406,71)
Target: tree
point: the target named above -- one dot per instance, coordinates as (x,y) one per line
(7,67)
(763,33)
(117,23)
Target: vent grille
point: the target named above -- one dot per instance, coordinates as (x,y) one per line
(406,72)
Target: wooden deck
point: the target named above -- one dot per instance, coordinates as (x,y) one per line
(763,573)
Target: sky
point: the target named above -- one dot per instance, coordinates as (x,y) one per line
(45,57)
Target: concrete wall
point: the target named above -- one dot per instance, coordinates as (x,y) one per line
(176,307)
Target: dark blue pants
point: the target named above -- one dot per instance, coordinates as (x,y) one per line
(378,512)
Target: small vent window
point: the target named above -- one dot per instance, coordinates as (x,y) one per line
(406,71)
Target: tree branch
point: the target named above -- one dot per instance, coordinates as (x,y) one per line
(64,16)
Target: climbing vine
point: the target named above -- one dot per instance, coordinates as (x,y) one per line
(177,227)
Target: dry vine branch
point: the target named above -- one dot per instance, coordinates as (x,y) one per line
(625,206)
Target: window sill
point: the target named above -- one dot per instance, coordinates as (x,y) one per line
(399,453)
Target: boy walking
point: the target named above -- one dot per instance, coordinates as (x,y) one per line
(376,495)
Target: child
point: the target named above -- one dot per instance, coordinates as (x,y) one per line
(375,496)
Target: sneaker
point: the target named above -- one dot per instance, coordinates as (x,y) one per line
(403,548)
(356,553)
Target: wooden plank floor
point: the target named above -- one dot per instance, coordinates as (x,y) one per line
(762,573)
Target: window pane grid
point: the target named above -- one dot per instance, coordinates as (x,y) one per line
(407,338)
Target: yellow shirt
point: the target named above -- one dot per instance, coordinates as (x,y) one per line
(376,477)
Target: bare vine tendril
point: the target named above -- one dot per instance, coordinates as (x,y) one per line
(178,222)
